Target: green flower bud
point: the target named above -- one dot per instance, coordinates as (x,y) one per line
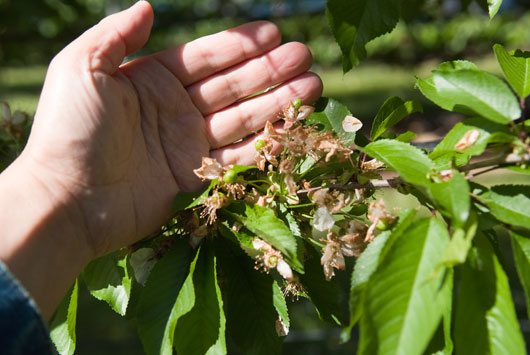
(230,176)
(260,144)
(297,103)
(382,225)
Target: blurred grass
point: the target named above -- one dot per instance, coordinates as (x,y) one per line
(21,86)
(363,90)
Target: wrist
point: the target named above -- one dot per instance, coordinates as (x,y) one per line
(44,239)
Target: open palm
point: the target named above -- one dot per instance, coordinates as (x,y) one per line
(122,140)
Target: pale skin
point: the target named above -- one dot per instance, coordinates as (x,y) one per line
(112,143)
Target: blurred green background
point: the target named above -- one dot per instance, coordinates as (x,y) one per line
(32,32)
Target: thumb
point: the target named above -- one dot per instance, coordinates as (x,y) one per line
(103,47)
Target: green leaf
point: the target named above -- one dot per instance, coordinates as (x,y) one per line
(326,296)
(493,7)
(367,264)
(200,327)
(355,23)
(445,152)
(263,222)
(155,314)
(330,113)
(393,110)
(405,298)
(62,325)
(187,200)
(280,305)
(406,137)
(458,248)
(485,320)
(108,279)
(411,163)
(471,91)
(452,198)
(509,204)
(238,169)
(442,343)
(516,69)
(521,256)
(248,297)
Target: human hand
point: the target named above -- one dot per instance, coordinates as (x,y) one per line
(118,142)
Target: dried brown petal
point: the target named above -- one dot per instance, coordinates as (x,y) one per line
(373,164)
(351,124)
(304,112)
(209,170)
(469,138)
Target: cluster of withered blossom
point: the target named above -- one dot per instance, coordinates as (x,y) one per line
(280,155)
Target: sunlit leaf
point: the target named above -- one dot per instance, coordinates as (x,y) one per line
(367,264)
(485,321)
(200,327)
(521,255)
(452,197)
(331,113)
(108,279)
(509,204)
(471,91)
(406,297)
(355,23)
(281,306)
(62,325)
(393,110)
(155,314)
(516,69)
(411,163)
(263,222)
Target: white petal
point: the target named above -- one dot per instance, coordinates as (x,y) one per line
(285,270)
(323,220)
(259,244)
(351,124)
(142,261)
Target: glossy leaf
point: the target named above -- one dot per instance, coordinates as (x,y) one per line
(263,222)
(521,256)
(516,69)
(355,23)
(155,314)
(509,204)
(411,163)
(406,298)
(452,197)
(281,306)
(367,264)
(493,7)
(393,110)
(461,239)
(62,326)
(446,151)
(471,91)
(331,113)
(108,279)
(485,320)
(248,297)
(200,325)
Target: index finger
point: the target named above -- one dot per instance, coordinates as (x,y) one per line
(208,55)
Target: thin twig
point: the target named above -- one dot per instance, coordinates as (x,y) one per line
(495,163)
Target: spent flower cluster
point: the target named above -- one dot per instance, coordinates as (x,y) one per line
(293,180)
